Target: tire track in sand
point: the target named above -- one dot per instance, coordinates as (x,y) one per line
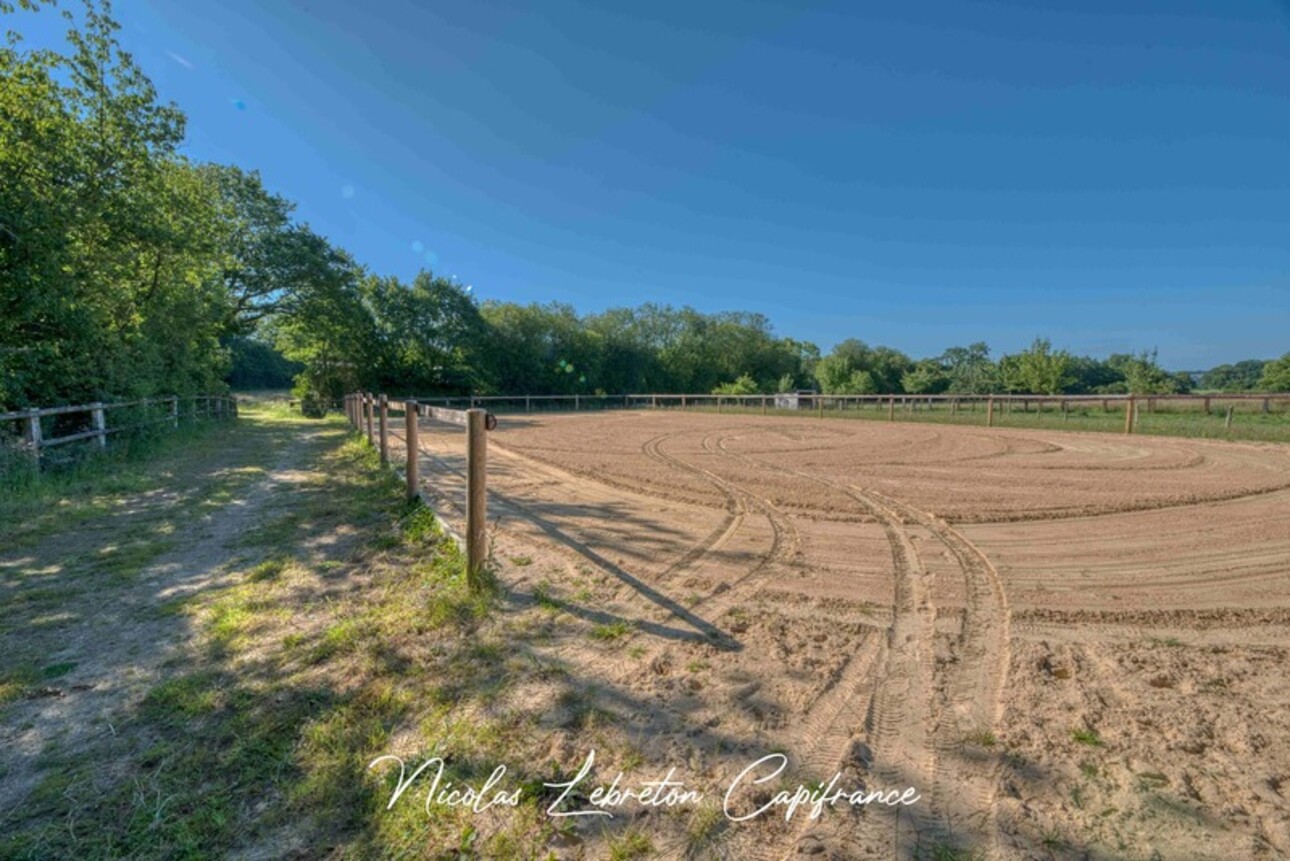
(963,696)
(971,684)
(898,714)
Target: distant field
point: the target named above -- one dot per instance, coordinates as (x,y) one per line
(1248,420)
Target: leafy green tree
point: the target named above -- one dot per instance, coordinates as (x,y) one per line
(1039,370)
(1242,376)
(1276,375)
(853,367)
(1143,374)
(969,369)
(928,377)
(744,385)
(108,239)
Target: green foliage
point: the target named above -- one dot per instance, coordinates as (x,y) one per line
(928,377)
(1038,370)
(257,365)
(1276,375)
(1242,376)
(108,245)
(745,385)
(969,370)
(1144,376)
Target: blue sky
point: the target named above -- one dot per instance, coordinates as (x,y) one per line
(923,174)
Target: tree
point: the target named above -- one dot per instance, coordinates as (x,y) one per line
(969,369)
(108,239)
(744,385)
(1143,374)
(928,377)
(1276,375)
(1039,370)
(1242,376)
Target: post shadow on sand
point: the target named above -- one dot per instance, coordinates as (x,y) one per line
(545,517)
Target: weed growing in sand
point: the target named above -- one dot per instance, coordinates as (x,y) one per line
(1052,839)
(1087,736)
(634,844)
(610,632)
(949,852)
(983,738)
(704,828)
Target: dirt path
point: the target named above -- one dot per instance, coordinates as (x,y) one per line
(78,674)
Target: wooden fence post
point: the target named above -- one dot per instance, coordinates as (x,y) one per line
(819,405)
(1206,405)
(528,403)
(1265,405)
(174,411)
(891,409)
(476,490)
(989,413)
(410,435)
(33,435)
(100,423)
(1227,422)
(369,406)
(763,405)
(577,402)
(682,401)
(384,407)
(1130,407)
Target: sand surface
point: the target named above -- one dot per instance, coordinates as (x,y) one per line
(1073,645)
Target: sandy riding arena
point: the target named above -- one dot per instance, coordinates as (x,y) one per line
(1071,645)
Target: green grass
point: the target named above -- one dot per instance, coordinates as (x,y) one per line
(631,845)
(610,631)
(1088,737)
(1248,423)
(293,682)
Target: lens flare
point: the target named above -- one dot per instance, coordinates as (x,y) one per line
(239,104)
(418,246)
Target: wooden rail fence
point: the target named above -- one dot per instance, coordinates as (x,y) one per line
(34,440)
(370,414)
(989,405)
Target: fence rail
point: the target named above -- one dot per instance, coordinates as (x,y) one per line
(370,414)
(32,438)
(990,405)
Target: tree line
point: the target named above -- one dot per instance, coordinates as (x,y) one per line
(129,270)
